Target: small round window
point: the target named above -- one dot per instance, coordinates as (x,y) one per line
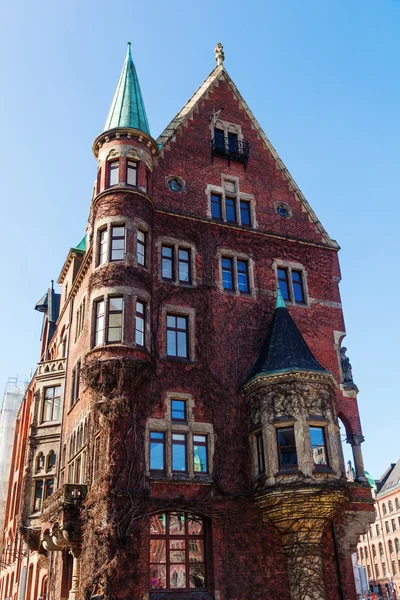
(283,210)
(175,185)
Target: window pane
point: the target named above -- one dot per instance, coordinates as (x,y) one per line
(177,551)
(139,334)
(115,304)
(171,321)
(197,576)
(232,142)
(182,346)
(178,410)
(219,138)
(132,173)
(243,279)
(141,239)
(157,451)
(158,523)
(56,409)
(113,173)
(195,525)
(177,576)
(49,487)
(287,447)
(118,231)
(181,322)
(227,273)
(184,272)
(199,457)
(178,456)
(318,445)
(166,266)
(196,551)
(245,212)
(177,523)
(158,553)
(171,343)
(216,206)
(283,283)
(230,210)
(183,254)
(158,577)
(297,287)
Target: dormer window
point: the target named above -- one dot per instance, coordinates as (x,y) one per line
(131,177)
(228,143)
(113,173)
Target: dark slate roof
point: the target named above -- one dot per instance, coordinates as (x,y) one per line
(284,348)
(390,479)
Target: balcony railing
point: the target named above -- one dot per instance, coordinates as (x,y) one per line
(50,368)
(239,151)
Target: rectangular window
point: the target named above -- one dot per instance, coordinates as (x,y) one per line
(318,445)
(184,265)
(75,383)
(78,474)
(103,236)
(100,323)
(140,323)
(387,527)
(378,531)
(394,567)
(131,178)
(216,207)
(200,462)
(284,283)
(179,453)
(227,273)
(157,451)
(114,330)
(243,276)
(178,410)
(141,247)
(37,501)
(167,262)
(287,447)
(219,139)
(49,488)
(177,336)
(245,217)
(260,453)
(298,291)
(230,207)
(51,407)
(232,142)
(113,173)
(117,242)
(393,525)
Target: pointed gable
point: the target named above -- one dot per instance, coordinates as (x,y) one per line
(187,113)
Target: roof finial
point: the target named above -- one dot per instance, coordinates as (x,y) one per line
(219,53)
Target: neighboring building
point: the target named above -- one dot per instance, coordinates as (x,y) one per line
(378,551)
(194,371)
(12,399)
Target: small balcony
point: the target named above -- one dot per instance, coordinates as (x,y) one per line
(235,150)
(51,368)
(61,517)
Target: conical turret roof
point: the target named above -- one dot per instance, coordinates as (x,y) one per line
(284,348)
(127,108)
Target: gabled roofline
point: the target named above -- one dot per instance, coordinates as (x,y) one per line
(220,73)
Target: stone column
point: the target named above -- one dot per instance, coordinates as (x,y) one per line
(76,570)
(356,441)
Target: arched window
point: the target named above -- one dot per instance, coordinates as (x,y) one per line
(361,553)
(384,508)
(40,461)
(397,544)
(366,552)
(396,502)
(390,546)
(51,460)
(380,549)
(177,552)
(390,506)
(373,551)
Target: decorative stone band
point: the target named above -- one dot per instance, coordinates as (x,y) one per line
(288,376)
(122,133)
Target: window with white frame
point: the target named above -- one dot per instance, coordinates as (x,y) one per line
(141,244)
(108,322)
(140,323)
(111,243)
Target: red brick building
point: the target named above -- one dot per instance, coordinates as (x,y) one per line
(200,454)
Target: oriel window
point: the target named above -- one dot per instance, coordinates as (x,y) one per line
(287,447)
(179,453)
(140,323)
(177,336)
(131,178)
(200,462)
(167,262)
(114,332)
(117,242)
(141,247)
(113,173)
(184,265)
(157,451)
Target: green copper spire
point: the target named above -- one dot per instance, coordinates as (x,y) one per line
(280,303)
(127,108)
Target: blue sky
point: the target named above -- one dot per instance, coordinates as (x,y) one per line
(321,77)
